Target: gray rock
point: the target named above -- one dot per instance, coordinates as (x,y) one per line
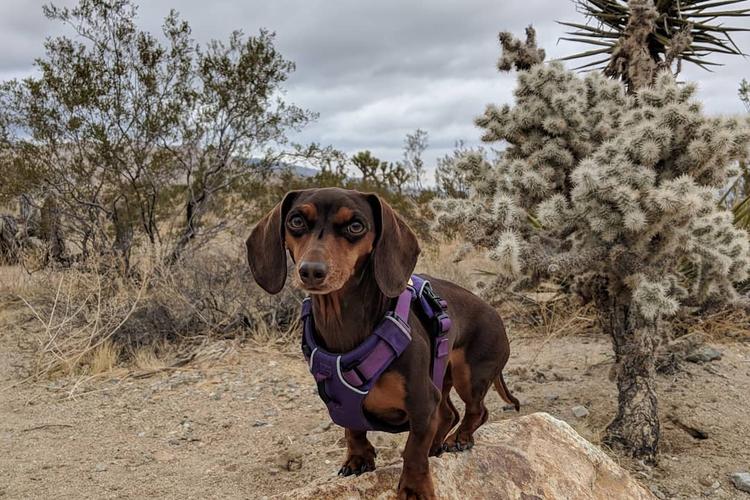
(704,355)
(552,397)
(100,467)
(260,423)
(741,481)
(580,411)
(657,492)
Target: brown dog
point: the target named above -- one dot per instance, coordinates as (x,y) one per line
(353,254)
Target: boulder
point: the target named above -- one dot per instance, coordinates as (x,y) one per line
(531,457)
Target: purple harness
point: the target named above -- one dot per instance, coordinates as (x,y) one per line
(345,379)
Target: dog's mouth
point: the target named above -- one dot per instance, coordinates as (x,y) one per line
(326,287)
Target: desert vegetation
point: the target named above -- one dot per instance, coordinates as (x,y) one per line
(605,202)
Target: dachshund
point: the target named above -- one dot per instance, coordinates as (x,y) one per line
(353,254)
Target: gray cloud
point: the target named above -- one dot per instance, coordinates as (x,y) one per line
(377,70)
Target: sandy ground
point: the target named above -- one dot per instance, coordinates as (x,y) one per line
(250,425)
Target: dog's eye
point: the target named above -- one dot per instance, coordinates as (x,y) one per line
(356,227)
(296,222)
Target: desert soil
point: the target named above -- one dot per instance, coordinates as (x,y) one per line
(250,424)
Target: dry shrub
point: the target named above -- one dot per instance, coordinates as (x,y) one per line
(92,319)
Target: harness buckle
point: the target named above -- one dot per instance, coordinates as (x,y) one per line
(444,323)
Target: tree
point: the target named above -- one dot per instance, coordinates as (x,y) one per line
(121,127)
(415,145)
(449,176)
(610,190)
(380,175)
(636,39)
(738,194)
(368,166)
(744,93)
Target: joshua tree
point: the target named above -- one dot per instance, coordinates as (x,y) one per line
(609,188)
(635,39)
(415,145)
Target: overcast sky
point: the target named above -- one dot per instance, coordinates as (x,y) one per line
(376,70)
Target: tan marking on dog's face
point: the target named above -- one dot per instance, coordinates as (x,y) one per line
(328,236)
(343,215)
(309,211)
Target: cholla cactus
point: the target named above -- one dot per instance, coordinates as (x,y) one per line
(614,193)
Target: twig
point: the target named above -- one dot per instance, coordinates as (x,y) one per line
(45,426)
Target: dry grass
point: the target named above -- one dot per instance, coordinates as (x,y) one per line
(90,320)
(149,358)
(722,324)
(104,358)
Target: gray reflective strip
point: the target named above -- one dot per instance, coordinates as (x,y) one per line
(312,355)
(399,325)
(338,369)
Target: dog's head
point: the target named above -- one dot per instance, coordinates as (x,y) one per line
(332,235)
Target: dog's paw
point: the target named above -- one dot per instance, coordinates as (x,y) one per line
(436,449)
(455,444)
(357,465)
(423,492)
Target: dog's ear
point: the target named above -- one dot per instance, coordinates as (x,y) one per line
(396,248)
(266,252)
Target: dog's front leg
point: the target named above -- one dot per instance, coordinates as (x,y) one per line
(360,454)
(416,481)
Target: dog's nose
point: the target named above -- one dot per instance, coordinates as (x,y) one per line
(313,273)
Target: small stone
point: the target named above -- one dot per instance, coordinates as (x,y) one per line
(325,426)
(100,467)
(507,408)
(580,411)
(706,481)
(551,397)
(741,481)
(704,355)
(259,423)
(657,492)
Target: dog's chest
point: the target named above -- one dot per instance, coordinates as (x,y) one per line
(387,399)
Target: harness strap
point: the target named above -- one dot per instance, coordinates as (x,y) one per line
(434,308)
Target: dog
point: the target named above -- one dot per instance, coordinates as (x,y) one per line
(353,254)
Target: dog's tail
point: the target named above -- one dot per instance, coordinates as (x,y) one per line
(504,393)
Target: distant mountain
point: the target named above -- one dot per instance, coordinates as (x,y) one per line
(297,169)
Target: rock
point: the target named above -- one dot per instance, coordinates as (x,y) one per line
(260,423)
(290,460)
(713,488)
(704,355)
(706,480)
(580,411)
(552,397)
(657,492)
(535,456)
(100,467)
(741,481)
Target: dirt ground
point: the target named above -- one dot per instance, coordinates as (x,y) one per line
(251,425)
